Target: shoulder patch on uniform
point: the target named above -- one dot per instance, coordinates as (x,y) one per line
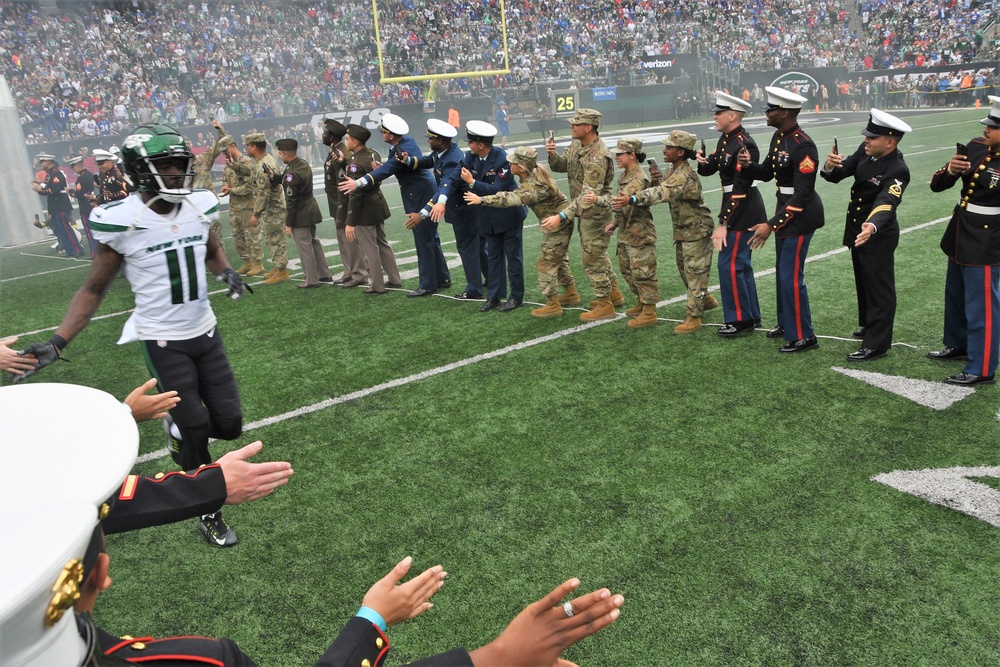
(896,189)
(353,168)
(289,177)
(807,166)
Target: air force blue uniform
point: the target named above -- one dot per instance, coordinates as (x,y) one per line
(457,213)
(416,188)
(502,227)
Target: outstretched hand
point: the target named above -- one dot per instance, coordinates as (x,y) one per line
(397,602)
(145,406)
(537,635)
(250,481)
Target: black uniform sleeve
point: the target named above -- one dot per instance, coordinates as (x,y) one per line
(846,168)
(360,640)
(143,502)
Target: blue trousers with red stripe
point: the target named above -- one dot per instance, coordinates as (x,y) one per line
(736,281)
(61,227)
(793,298)
(971,306)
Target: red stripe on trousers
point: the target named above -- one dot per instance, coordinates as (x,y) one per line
(987,308)
(732,277)
(795,285)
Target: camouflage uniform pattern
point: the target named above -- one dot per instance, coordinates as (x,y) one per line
(555,245)
(203,175)
(589,168)
(239,177)
(637,240)
(269,207)
(693,225)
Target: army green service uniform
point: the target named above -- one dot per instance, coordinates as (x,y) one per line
(693,226)
(555,245)
(367,212)
(203,174)
(355,266)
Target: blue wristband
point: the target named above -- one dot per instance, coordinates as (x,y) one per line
(563,216)
(373,616)
(632,199)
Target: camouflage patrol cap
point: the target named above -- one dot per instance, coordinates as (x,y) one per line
(628,145)
(680,139)
(586,117)
(525,156)
(255,138)
(225,142)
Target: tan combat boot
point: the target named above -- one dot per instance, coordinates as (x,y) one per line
(646,319)
(635,310)
(688,325)
(616,296)
(550,309)
(603,310)
(570,297)
(270,272)
(279,276)
(244,267)
(711,303)
(255,270)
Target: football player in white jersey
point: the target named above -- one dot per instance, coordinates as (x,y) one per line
(160,234)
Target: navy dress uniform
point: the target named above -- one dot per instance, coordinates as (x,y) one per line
(416,187)
(880,177)
(501,227)
(443,163)
(742,208)
(58,205)
(792,162)
(972,244)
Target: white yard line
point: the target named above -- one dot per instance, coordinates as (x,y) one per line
(462,363)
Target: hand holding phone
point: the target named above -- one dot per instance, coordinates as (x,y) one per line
(961,149)
(835,148)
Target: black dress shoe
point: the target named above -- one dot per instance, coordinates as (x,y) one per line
(445,285)
(866,354)
(968,379)
(800,345)
(489,305)
(396,285)
(756,324)
(469,295)
(510,305)
(859,332)
(347,284)
(948,353)
(736,329)
(420,292)
(328,280)
(776,332)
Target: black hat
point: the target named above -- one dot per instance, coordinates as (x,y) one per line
(286,145)
(335,127)
(359,132)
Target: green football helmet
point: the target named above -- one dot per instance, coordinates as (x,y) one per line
(149,144)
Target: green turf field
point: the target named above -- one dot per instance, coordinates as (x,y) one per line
(725,490)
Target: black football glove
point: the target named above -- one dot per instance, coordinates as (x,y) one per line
(46,353)
(235,283)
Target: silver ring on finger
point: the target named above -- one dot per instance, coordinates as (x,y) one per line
(568,608)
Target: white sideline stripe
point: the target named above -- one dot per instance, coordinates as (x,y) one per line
(392,384)
(45,273)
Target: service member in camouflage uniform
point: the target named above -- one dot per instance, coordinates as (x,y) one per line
(268,206)
(693,223)
(203,171)
(237,182)
(589,166)
(355,265)
(636,234)
(539,193)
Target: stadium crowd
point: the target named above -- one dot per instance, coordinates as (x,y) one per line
(186,62)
